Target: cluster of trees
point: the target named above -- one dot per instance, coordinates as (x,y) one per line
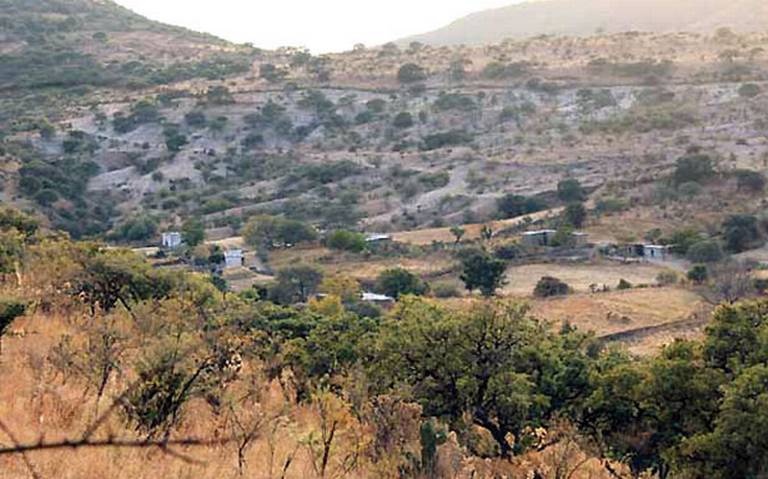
(269,232)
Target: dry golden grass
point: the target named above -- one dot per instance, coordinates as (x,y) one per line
(579,276)
(631,311)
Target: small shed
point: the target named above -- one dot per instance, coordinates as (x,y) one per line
(377,298)
(378,238)
(580,239)
(233,258)
(171,240)
(538,238)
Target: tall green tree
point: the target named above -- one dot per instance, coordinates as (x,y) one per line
(481,271)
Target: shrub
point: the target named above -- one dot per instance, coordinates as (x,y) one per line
(574,215)
(698,274)
(570,190)
(749,90)
(623,284)
(454,101)
(9,311)
(682,240)
(696,167)
(512,206)
(549,286)
(740,232)
(749,180)
(46,197)
(398,281)
(411,73)
(666,278)
(346,241)
(502,71)
(445,290)
(446,139)
(706,251)
(507,252)
(403,120)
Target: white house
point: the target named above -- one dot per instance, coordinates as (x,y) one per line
(233,258)
(171,240)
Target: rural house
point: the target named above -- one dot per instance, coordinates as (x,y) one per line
(538,238)
(233,258)
(171,240)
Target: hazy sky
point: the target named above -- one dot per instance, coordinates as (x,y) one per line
(321,25)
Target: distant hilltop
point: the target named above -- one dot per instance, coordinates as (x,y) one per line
(587,17)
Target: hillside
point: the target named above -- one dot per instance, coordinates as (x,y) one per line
(587,17)
(64,44)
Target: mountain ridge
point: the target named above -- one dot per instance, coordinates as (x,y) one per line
(581,18)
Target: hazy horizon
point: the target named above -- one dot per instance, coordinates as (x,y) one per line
(334,25)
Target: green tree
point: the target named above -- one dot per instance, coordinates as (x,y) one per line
(705,251)
(403,120)
(698,274)
(346,241)
(512,206)
(458,232)
(398,281)
(639,412)
(481,271)
(738,445)
(193,232)
(9,311)
(411,73)
(574,215)
(741,232)
(548,286)
(696,167)
(492,363)
(570,191)
(296,284)
(749,180)
(737,336)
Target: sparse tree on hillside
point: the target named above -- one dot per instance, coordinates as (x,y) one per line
(458,232)
(193,232)
(574,215)
(397,282)
(411,73)
(570,191)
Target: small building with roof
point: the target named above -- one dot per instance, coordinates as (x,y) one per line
(171,240)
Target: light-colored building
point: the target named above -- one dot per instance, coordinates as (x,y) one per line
(377,298)
(171,240)
(654,252)
(580,239)
(377,238)
(233,258)
(538,238)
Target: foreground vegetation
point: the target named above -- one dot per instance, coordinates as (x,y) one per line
(168,361)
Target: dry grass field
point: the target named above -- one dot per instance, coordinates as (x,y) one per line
(579,276)
(621,311)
